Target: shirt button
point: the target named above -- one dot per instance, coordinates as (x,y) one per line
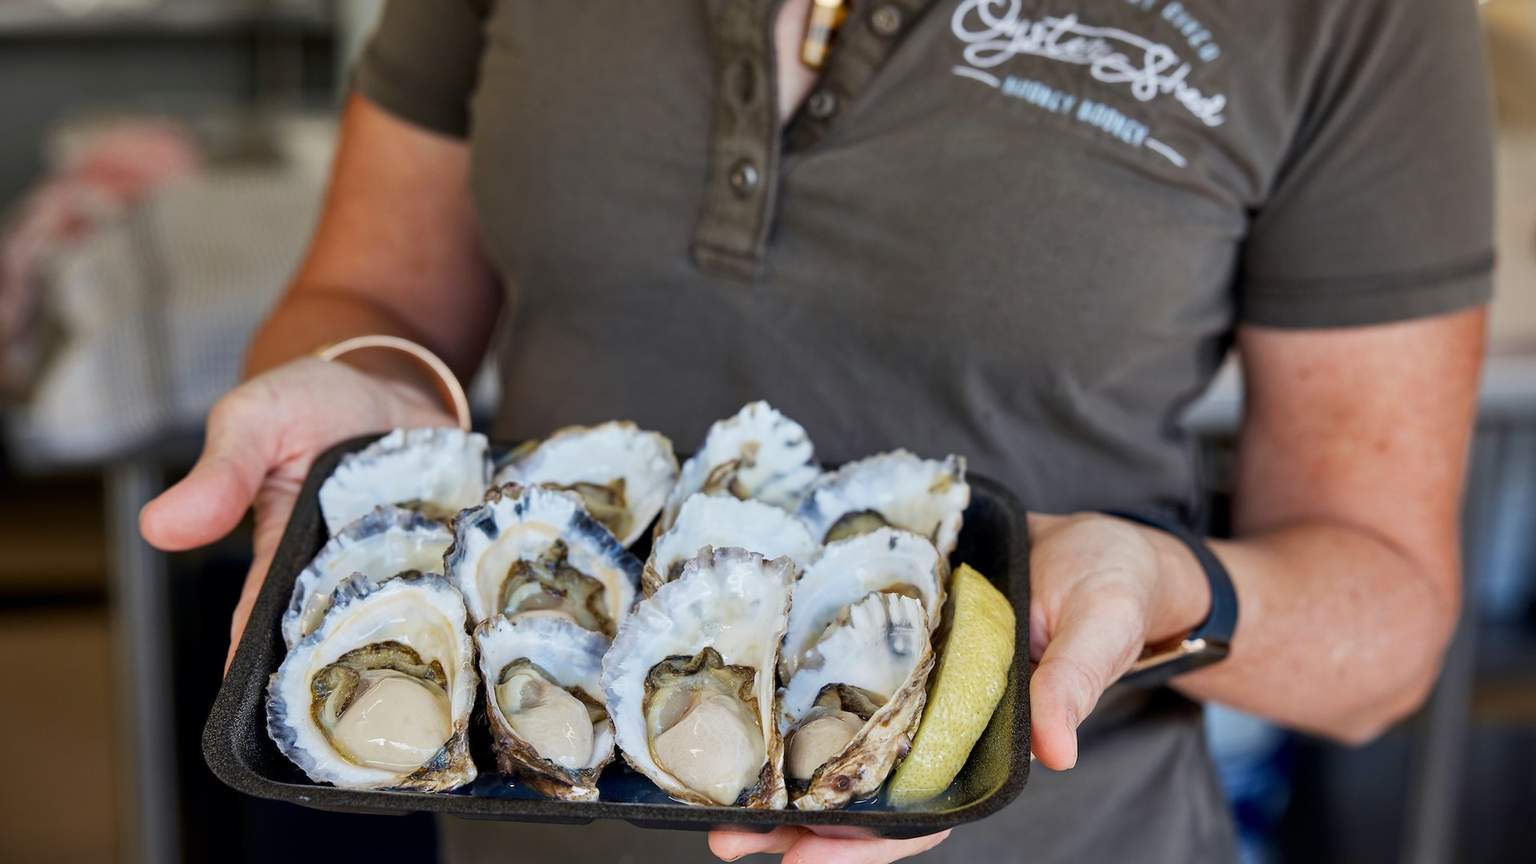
(822,104)
(744,178)
(885,20)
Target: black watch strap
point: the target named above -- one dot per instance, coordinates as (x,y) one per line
(1212,638)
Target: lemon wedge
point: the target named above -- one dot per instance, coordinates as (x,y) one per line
(968,681)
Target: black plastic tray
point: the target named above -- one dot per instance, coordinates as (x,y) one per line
(994,540)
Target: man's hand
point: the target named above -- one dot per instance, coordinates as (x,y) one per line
(799,846)
(1101,588)
(260,442)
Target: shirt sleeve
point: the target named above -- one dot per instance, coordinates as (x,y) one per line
(1384,208)
(423,61)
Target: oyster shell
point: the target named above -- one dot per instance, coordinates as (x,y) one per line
(887,560)
(435,471)
(848,714)
(379,696)
(690,681)
(758,454)
(900,489)
(535,550)
(719,520)
(382,543)
(623,474)
(544,702)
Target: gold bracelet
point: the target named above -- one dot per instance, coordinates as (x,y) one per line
(449,387)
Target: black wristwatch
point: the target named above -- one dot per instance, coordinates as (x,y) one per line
(1212,638)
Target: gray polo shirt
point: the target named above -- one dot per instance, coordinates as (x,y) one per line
(1021,230)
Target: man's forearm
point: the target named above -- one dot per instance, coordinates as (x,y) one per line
(311,318)
(1341,632)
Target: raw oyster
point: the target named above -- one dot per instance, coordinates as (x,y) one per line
(690,681)
(924,496)
(848,714)
(623,474)
(536,551)
(382,543)
(379,696)
(719,520)
(436,471)
(544,701)
(887,561)
(758,453)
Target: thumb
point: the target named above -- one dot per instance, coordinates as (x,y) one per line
(210,501)
(1098,637)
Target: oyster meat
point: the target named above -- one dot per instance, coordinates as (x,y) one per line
(690,681)
(622,473)
(436,471)
(534,550)
(887,561)
(379,696)
(382,543)
(719,520)
(544,701)
(848,714)
(758,454)
(900,489)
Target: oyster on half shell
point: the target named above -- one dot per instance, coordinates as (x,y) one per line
(886,561)
(379,696)
(719,520)
(756,454)
(382,543)
(534,550)
(896,489)
(621,472)
(437,471)
(691,686)
(544,701)
(848,714)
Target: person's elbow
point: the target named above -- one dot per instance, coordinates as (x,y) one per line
(1406,680)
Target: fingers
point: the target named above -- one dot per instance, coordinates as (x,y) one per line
(213,497)
(730,845)
(273,507)
(1098,636)
(242,614)
(814,849)
(799,846)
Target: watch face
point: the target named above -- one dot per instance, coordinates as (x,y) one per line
(1187,655)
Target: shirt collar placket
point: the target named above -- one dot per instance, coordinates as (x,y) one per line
(746,144)
(864,43)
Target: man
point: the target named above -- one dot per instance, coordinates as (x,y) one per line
(1022,231)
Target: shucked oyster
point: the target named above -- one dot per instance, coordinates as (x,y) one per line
(886,561)
(436,471)
(544,702)
(848,714)
(382,543)
(758,454)
(718,520)
(379,696)
(622,473)
(536,551)
(690,681)
(924,496)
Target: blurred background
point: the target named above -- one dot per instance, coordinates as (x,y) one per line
(161,163)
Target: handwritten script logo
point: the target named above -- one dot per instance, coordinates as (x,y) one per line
(994,33)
